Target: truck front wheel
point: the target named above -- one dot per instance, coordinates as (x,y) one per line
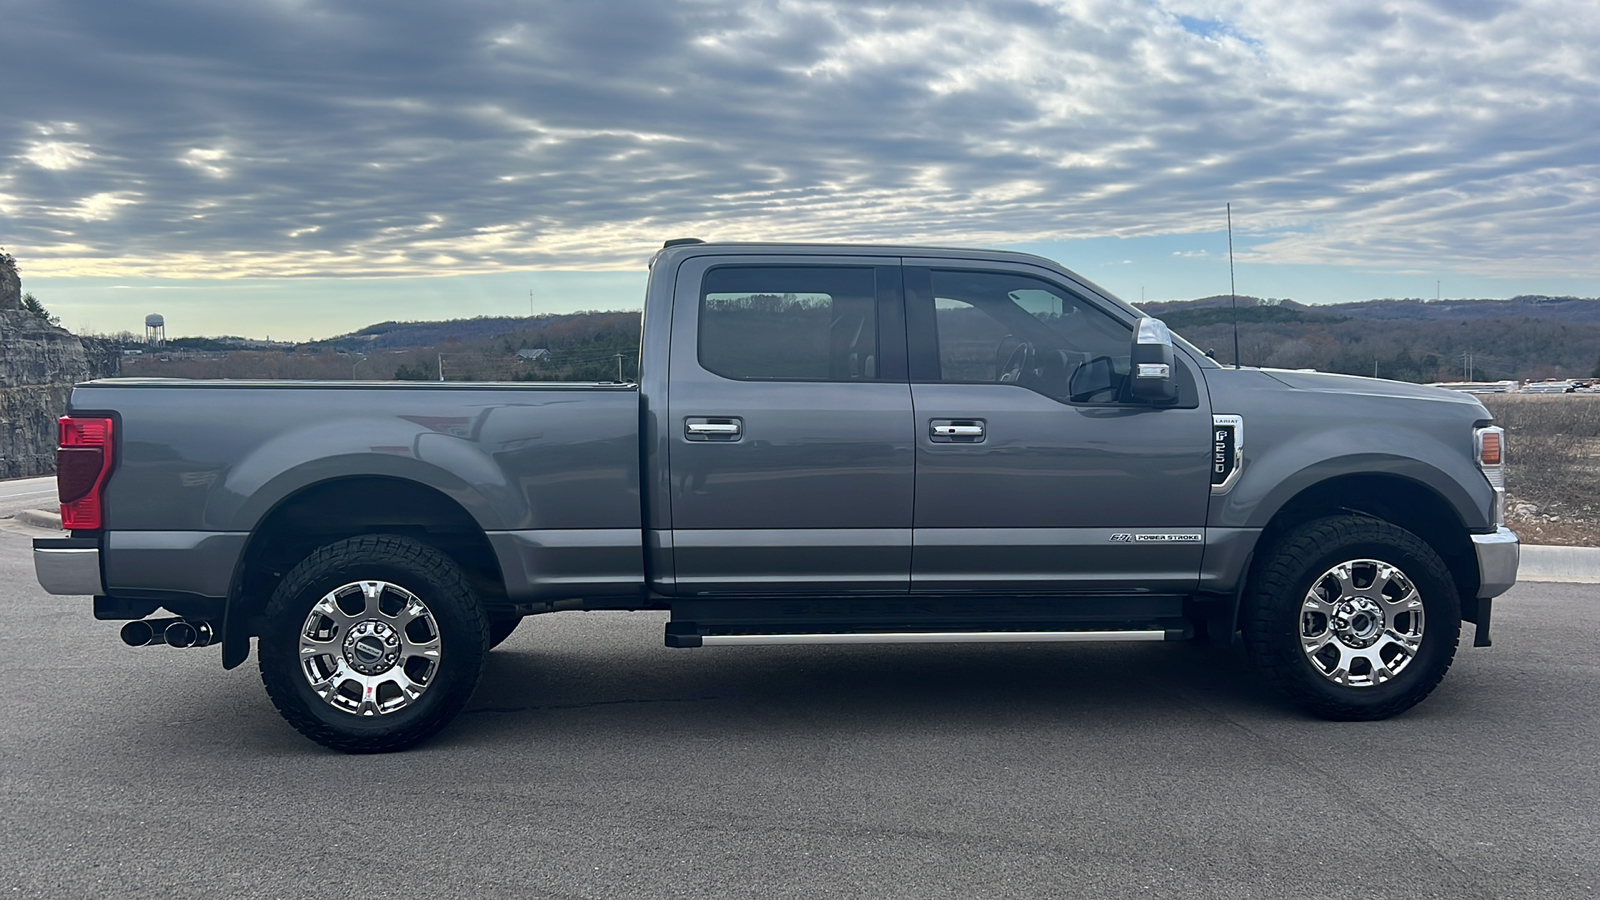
(372,644)
(1353,618)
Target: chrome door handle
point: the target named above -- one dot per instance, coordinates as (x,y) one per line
(956,431)
(713,428)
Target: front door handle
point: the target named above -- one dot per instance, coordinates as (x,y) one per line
(956,431)
(713,428)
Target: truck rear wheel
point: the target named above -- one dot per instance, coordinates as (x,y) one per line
(373,644)
(1353,618)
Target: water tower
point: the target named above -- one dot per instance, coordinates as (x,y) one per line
(155,330)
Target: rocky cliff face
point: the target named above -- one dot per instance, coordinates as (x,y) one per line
(10,284)
(39,363)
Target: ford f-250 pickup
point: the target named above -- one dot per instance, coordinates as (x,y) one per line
(826,444)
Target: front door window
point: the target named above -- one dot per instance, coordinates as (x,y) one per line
(997,327)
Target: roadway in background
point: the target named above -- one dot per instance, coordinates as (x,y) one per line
(594,762)
(20,494)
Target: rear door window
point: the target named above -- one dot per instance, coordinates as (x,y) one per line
(790,323)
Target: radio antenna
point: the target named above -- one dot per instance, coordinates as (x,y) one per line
(1232,289)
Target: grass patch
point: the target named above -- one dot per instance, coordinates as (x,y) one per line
(1552,466)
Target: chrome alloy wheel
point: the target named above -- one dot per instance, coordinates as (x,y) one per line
(1361,623)
(369,648)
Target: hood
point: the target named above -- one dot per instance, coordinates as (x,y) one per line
(1327,382)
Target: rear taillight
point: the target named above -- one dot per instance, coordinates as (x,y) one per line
(82,463)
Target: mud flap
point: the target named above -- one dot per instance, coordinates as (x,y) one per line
(1478,610)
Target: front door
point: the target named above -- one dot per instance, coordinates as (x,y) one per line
(791,447)
(1035,470)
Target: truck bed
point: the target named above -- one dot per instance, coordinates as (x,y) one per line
(549,471)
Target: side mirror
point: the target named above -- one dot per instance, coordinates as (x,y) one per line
(1154,378)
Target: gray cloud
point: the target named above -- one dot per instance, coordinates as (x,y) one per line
(300,137)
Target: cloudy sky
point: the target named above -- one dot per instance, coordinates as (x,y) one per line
(302,168)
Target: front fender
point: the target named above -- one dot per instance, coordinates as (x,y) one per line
(1276,472)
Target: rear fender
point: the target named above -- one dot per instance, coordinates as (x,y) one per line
(385,447)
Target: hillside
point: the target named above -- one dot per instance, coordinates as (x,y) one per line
(1413,340)
(1557,309)
(1561,309)
(1410,340)
(584,346)
(410,335)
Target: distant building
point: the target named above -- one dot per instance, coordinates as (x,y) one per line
(538,355)
(1478,387)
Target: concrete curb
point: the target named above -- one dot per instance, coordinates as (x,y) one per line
(1579,565)
(1574,564)
(39,518)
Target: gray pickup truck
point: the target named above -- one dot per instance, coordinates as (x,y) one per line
(846,444)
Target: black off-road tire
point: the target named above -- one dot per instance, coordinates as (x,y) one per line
(501,627)
(1271,618)
(462,635)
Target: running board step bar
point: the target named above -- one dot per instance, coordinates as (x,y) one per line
(681,637)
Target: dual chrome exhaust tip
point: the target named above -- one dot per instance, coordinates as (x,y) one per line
(181,633)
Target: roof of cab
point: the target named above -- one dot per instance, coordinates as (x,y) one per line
(697,247)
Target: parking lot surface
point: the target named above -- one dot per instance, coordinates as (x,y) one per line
(594,762)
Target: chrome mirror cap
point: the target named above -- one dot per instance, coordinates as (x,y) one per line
(1153,331)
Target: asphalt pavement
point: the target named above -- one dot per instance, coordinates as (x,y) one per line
(596,763)
(20,494)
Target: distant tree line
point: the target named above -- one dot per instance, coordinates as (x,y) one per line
(1521,346)
(1531,340)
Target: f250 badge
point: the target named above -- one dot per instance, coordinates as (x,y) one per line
(1227,451)
(1186,537)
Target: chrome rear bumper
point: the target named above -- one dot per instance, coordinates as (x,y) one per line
(69,566)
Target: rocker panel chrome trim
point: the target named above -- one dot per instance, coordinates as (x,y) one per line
(934,637)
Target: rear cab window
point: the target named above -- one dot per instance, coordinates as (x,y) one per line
(791,323)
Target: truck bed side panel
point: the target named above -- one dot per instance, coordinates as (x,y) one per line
(552,465)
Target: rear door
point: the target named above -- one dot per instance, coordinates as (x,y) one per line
(791,451)
(1034,471)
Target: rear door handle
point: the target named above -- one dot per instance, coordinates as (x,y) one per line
(956,431)
(713,428)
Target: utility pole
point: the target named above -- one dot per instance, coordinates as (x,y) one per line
(619,368)
(530,304)
(441,367)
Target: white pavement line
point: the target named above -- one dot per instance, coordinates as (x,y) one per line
(1573,564)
